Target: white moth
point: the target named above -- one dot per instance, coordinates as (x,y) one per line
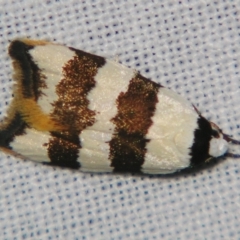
(78,110)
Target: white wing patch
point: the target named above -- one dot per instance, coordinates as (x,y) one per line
(32,145)
(171,134)
(111,80)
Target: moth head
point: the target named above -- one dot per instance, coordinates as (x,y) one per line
(218,143)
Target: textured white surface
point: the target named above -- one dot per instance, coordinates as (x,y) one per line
(171,134)
(218,147)
(35,141)
(189,46)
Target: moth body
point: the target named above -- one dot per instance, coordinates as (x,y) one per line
(78,110)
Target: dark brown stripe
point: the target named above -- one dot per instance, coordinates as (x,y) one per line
(27,72)
(135,110)
(200,148)
(71,109)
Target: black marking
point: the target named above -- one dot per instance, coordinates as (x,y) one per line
(99,61)
(200,147)
(63,150)
(26,70)
(15,127)
(128,151)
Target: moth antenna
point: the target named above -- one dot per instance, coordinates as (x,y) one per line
(195,108)
(233,155)
(229,139)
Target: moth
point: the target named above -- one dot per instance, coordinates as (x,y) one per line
(78,110)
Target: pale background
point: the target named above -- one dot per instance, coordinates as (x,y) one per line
(190,46)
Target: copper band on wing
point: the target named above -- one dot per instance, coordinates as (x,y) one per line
(71,109)
(135,110)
